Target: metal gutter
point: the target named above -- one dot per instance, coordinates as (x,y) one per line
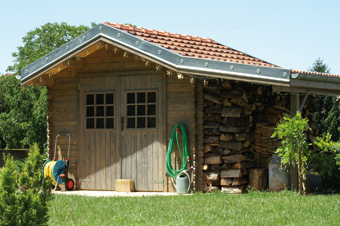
(315,78)
(159,55)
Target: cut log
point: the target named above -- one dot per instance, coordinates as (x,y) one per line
(225,166)
(207,103)
(226,85)
(213,98)
(240,165)
(230,129)
(211,125)
(208,148)
(246,112)
(231,145)
(231,173)
(238,121)
(247,106)
(211,139)
(258,178)
(213,160)
(211,154)
(225,152)
(226,103)
(241,136)
(211,175)
(246,144)
(244,171)
(231,112)
(236,101)
(240,181)
(205,167)
(213,131)
(215,167)
(212,110)
(207,188)
(226,137)
(226,181)
(225,121)
(234,158)
(232,94)
(232,190)
(212,117)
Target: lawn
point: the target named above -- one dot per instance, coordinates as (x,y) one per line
(255,208)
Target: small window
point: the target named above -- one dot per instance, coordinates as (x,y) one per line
(99,111)
(141,110)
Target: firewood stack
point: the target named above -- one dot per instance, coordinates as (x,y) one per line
(231,110)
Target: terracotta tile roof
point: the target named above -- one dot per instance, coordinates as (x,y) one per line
(192,46)
(314,73)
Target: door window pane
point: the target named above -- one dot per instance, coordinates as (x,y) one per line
(90,99)
(141,110)
(152,97)
(141,122)
(131,110)
(152,109)
(109,99)
(90,123)
(151,122)
(100,99)
(109,111)
(89,111)
(130,123)
(131,98)
(109,123)
(100,123)
(140,97)
(100,111)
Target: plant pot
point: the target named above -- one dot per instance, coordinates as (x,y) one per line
(314,183)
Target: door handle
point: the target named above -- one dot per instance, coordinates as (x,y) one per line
(122,123)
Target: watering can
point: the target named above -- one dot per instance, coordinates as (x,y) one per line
(182,183)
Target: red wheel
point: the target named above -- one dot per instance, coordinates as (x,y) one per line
(69,184)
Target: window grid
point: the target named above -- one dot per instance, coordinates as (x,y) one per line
(141,110)
(99,111)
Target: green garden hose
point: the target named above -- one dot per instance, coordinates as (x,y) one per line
(184,154)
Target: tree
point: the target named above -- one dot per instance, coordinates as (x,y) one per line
(43,40)
(327,115)
(294,148)
(23,110)
(22,114)
(24,195)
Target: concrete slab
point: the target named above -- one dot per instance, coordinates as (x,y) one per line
(113,193)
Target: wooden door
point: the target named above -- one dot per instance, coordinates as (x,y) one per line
(142,131)
(99,163)
(121,132)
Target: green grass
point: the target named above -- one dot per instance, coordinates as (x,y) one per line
(255,208)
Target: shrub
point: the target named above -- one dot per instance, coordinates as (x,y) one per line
(24,196)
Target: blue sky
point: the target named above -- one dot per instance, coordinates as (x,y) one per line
(291,34)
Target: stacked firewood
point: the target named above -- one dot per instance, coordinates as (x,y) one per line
(231,110)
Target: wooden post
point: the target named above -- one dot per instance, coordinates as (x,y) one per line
(258,178)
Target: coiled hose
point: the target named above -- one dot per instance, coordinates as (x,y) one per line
(184,154)
(53,170)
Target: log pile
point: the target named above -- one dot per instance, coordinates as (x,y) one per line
(231,111)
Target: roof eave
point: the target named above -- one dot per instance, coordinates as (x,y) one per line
(158,54)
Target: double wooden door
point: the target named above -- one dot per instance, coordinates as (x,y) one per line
(121,132)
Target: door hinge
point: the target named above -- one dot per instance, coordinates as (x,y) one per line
(82,86)
(159,83)
(84,180)
(159,182)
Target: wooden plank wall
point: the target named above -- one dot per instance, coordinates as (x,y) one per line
(180,102)
(180,109)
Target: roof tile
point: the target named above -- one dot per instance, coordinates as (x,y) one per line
(192,46)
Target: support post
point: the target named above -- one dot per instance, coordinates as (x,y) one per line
(294,107)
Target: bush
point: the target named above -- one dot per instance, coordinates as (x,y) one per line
(24,196)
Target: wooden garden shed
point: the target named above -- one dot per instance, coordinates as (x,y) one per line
(119,90)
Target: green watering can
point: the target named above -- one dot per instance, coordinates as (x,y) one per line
(182,183)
